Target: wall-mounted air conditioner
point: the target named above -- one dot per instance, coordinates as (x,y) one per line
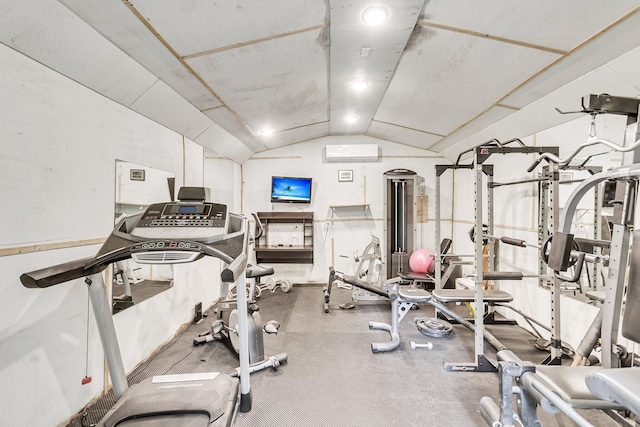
(352,153)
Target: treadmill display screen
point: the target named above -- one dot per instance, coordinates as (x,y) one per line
(187,209)
(197,209)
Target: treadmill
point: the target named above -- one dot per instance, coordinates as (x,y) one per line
(167,233)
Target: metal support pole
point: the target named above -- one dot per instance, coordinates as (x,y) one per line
(614,290)
(438,270)
(107,331)
(245,386)
(490,224)
(395,216)
(479,303)
(543,222)
(597,235)
(554,214)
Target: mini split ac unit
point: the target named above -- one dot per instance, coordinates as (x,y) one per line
(352,153)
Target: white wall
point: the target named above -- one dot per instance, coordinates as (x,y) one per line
(349,230)
(60,141)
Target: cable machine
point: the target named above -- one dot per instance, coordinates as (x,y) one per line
(400,190)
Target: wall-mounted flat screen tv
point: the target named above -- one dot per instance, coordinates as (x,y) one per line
(290,190)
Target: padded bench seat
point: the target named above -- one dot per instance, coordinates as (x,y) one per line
(417,277)
(468,295)
(617,385)
(413,295)
(569,383)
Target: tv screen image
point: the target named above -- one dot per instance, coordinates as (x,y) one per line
(290,189)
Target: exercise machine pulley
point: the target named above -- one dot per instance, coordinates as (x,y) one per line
(400,190)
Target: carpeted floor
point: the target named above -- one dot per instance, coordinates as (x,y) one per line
(333,379)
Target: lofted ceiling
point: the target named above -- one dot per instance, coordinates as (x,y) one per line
(442,75)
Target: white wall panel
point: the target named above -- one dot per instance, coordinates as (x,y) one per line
(288,73)
(60,144)
(191,27)
(164,105)
(536,23)
(194,164)
(402,135)
(215,138)
(454,66)
(49,33)
(136,41)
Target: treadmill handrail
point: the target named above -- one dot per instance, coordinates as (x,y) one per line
(61,273)
(57,274)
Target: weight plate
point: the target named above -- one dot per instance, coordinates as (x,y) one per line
(233,334)
(433,327)
(286,286)
(270,284)
(545,345)
(485,230)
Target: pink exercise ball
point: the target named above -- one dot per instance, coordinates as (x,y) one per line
(422,261)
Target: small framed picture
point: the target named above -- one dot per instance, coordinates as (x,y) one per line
(345,176)
(136,174)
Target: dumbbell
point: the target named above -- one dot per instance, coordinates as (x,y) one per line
(415,345)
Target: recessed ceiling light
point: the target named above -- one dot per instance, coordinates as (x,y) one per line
(374,15)
(359,84)
(350,118)
(266,132)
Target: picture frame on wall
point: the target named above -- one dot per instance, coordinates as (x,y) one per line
(345,175)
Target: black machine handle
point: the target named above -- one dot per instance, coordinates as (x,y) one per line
(502,275)
(235,269)
(577,270)
(60,273)
(515,242)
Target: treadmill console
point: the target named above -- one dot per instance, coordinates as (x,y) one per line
(166,252)
(184,220)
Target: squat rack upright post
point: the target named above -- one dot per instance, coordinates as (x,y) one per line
(480,155)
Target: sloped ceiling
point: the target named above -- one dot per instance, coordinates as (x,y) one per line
(442,75)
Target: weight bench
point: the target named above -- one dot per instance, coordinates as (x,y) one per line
(621,386)
(490,297)
(333,276)
(402,298)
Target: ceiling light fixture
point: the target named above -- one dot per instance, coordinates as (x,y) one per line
(375,15)
(351,118)
(359,84)
(266,132)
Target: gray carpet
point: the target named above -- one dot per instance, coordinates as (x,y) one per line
(333,379)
